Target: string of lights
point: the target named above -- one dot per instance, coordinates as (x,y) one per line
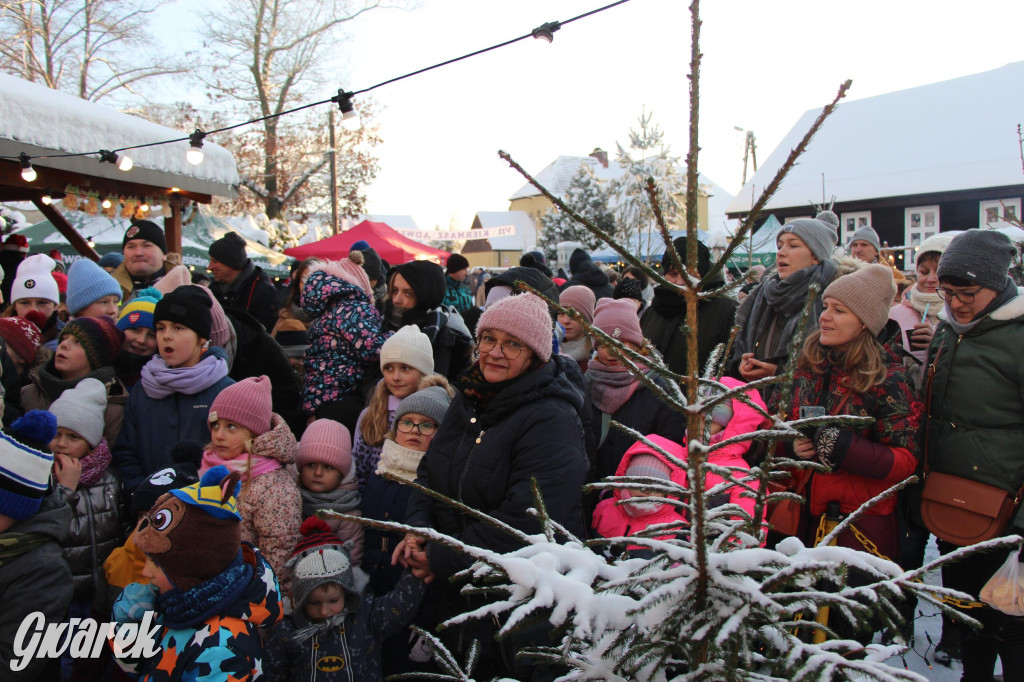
(343,99)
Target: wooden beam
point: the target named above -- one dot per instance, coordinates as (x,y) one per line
(65,228)
(172,226)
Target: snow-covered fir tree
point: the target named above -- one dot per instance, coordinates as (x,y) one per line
(588,196)
(646,157)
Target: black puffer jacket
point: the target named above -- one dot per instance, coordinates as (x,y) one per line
(487,457)
(662,323)
(586,273)
(252,292)
(258,353)
(94,533)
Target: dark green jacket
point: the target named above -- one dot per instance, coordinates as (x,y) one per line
(976,408)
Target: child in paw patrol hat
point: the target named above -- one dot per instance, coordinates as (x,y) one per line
(337,624)
(210,592)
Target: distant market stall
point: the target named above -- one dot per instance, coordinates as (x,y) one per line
(40,123)
(198,231)
(391,245)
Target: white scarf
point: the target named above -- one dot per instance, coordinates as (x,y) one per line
(398,461)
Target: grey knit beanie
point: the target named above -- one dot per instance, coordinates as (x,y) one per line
(819,236)
(980,257)
(431,402)
(868,292)
(81,409)
(866,233)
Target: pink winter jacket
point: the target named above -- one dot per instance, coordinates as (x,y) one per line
(612,520)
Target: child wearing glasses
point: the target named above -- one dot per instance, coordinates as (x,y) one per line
(405,359)
(416,421)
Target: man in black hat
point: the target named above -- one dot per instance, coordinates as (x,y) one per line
(145,258)
(457,294)
(239,283)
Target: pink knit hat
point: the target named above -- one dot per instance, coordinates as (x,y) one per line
(326,441)
(617,319)
(349,270)
(525,317)
(247,403)
(581,298)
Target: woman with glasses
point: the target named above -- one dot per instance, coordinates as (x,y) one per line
(975,427)
(416,420)
(514,420)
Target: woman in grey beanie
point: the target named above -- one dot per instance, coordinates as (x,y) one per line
(769,316)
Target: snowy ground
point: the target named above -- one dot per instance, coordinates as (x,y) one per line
(929,624)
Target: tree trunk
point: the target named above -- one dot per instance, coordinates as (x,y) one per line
(273,202)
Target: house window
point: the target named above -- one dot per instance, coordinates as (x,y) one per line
(999,212)
(852,222)
(920,223)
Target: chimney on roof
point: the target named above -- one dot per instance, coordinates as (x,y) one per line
(601,156)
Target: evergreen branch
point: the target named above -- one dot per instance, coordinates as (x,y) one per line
(776,182)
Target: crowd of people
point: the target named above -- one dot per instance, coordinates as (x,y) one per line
(167,446)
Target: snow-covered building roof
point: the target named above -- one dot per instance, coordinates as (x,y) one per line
(559,173)
(525,237)
(38,120)
(959,134)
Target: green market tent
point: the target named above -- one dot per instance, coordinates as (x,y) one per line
(196,236)
(759,248)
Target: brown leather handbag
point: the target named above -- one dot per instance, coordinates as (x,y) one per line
(956,509)
(965,512)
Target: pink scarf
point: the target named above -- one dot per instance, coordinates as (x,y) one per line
(610,387)
(260,464)
(94,464)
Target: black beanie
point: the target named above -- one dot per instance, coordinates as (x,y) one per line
(145,229)
(230,250)
(373,266)
(456,262)
(703,256)
(188,305)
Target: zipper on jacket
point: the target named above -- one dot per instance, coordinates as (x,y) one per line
(465,468)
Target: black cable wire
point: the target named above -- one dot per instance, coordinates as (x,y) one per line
(186,138)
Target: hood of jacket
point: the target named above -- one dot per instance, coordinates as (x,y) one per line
(278,443)
(323,291)
(745,419)
(426,279)
(535,278)
(589,274)
(260,602)
(676,473)
(559,378)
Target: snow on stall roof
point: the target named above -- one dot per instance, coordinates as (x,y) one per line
(37,119)
(558,174)
(953,135)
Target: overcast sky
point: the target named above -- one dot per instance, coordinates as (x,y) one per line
(765,64)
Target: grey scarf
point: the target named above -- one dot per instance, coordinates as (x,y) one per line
(1008,293)
(338,500)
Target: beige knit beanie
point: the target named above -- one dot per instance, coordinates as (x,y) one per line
(868,293)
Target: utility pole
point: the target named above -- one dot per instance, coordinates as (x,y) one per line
(749,150)
(334,172)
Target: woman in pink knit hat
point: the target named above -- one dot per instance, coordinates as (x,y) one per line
(248,437)
(514,420)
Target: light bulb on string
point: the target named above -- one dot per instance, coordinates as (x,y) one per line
(28,173)
(349,116)
(46,199)
(195,155)
(546,31)
(91,243)
(144,207)
(123,162)
(106,203)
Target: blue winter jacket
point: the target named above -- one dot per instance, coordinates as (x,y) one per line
(152,427)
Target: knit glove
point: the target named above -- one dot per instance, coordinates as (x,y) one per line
(134,602)
(839,448)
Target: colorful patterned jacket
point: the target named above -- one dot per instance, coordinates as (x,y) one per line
(344,338)
(217,648)
(457,294)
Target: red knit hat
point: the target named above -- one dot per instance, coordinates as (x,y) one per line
(247,402)
(326,441)
(22,334)
(16,242)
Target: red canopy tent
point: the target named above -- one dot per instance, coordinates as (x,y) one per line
(389,244)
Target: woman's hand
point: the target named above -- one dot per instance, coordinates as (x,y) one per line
(804,448)
(921,336)
(752,369)
(67,471)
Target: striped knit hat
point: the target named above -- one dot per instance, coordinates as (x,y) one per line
(138,312)
(100,338)
(24,469)
(318,559)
